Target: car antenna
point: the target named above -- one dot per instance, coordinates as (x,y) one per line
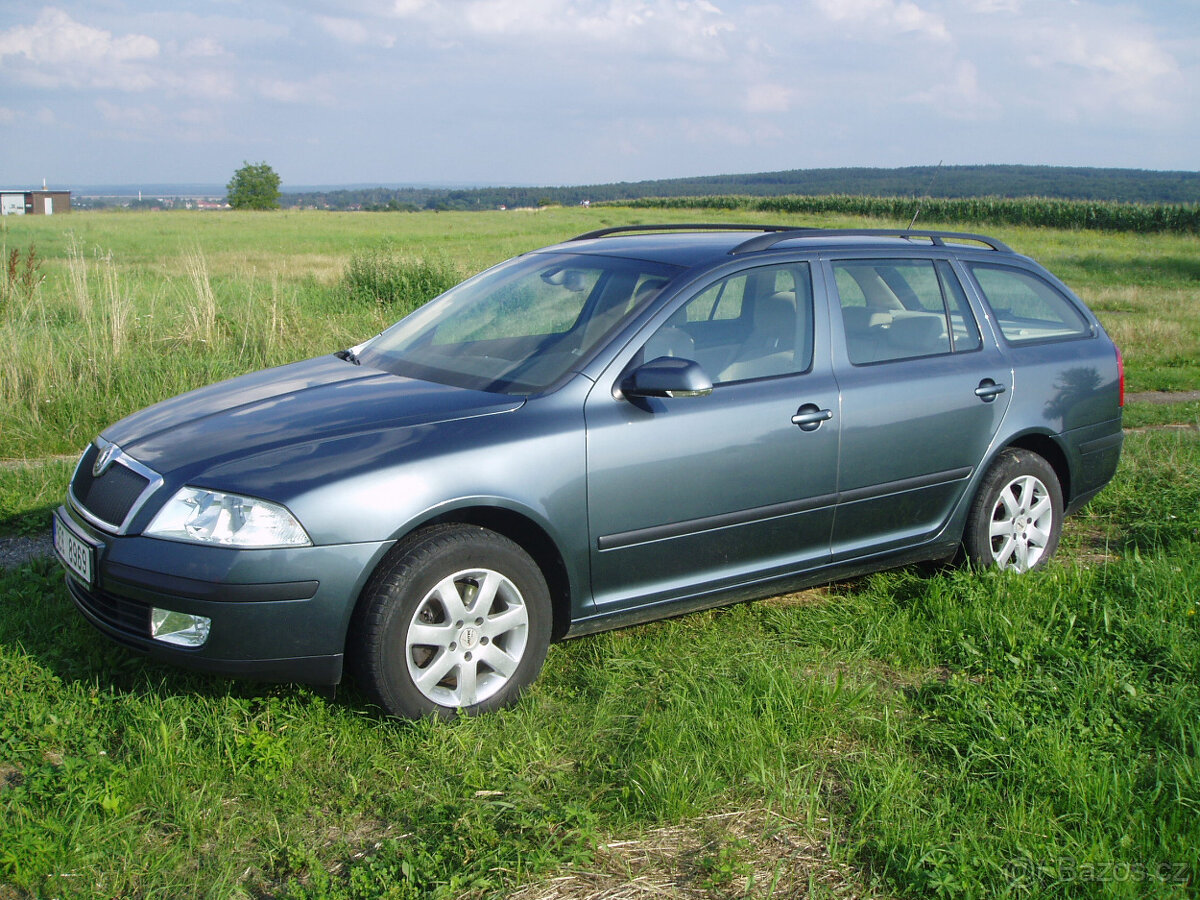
(928,188)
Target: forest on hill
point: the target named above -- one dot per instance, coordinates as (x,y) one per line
(1054,182)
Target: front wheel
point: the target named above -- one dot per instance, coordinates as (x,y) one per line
(458,618)
(1016,518)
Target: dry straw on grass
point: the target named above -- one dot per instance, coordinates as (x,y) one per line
(766,855)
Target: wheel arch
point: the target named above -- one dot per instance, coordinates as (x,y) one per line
(521,529)
(1045,446)
(530,537)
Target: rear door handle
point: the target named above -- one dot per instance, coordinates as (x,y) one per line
(988,390)
(810,416)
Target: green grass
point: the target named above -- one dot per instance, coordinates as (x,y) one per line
(915,733)
(942,733)
(29,491)
(1149,415)
(378,275)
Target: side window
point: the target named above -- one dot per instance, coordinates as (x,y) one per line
(902,309)
(754,324)
(848,289)
(721,301)
(964,330)
(1026,307)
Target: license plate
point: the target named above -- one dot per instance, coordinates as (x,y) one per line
(75,553)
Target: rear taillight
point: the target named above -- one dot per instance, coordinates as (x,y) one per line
(1120,378)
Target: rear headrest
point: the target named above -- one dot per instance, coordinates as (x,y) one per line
(920,334)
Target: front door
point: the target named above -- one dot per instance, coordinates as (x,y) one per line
(692,494)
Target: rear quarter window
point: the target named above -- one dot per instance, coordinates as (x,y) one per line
(1028,308)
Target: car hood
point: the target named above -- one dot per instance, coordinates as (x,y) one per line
(303,404)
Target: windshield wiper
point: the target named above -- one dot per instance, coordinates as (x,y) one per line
(349,356)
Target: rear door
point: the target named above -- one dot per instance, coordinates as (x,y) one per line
(689,494)
(923,392)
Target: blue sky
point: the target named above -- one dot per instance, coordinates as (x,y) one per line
(584,91)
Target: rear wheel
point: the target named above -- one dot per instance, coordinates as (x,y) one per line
(458,618)
(1016,518)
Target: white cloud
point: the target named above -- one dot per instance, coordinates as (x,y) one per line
(352,31)
(202,47)
(885,17)
(690,29)
(1127,57)
(404,8)
(58,51)
(957,94)
(768,98)
(1090,66)
(131,117)
(710,131)
(281,90)
(205,84)
(994,6)
(513,16)
(574,91)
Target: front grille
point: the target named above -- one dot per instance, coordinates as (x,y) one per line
(118,614)
(111,496)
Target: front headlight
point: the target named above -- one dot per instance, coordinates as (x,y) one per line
(228,520)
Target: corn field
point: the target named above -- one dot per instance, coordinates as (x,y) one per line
(1181,218)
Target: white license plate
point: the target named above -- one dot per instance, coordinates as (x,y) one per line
(76,554)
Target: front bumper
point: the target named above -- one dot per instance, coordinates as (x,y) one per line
(277,614)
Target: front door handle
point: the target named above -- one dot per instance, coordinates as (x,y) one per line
(988,390)
(810,416)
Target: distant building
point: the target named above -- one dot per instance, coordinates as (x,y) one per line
(34,203)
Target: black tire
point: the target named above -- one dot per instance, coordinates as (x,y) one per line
(457,617)
(1016,518)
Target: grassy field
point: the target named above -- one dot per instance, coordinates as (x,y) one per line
(915,733)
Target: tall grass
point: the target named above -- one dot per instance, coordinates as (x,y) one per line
(130,309)
(106,341)
(21,277)
(399,283)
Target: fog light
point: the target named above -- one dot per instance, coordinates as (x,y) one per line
(178,628)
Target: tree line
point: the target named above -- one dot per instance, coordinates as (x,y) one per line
(950,182)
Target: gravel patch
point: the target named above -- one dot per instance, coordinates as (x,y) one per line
(16,551)
(1161,397)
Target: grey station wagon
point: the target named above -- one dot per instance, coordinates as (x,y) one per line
(633,424)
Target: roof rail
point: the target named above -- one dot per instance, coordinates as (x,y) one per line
(936,238)
(701,226)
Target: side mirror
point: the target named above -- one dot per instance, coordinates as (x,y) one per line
(667,376)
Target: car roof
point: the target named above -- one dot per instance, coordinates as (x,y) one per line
(691,245)
(675,248)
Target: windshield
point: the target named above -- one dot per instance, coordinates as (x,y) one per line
(520,326)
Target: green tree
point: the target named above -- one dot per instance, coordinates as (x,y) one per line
(254,187)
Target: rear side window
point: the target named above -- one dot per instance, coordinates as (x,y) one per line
(902,309)
(1028,308)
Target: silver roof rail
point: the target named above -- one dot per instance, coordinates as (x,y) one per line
(936,238)
(698,226)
